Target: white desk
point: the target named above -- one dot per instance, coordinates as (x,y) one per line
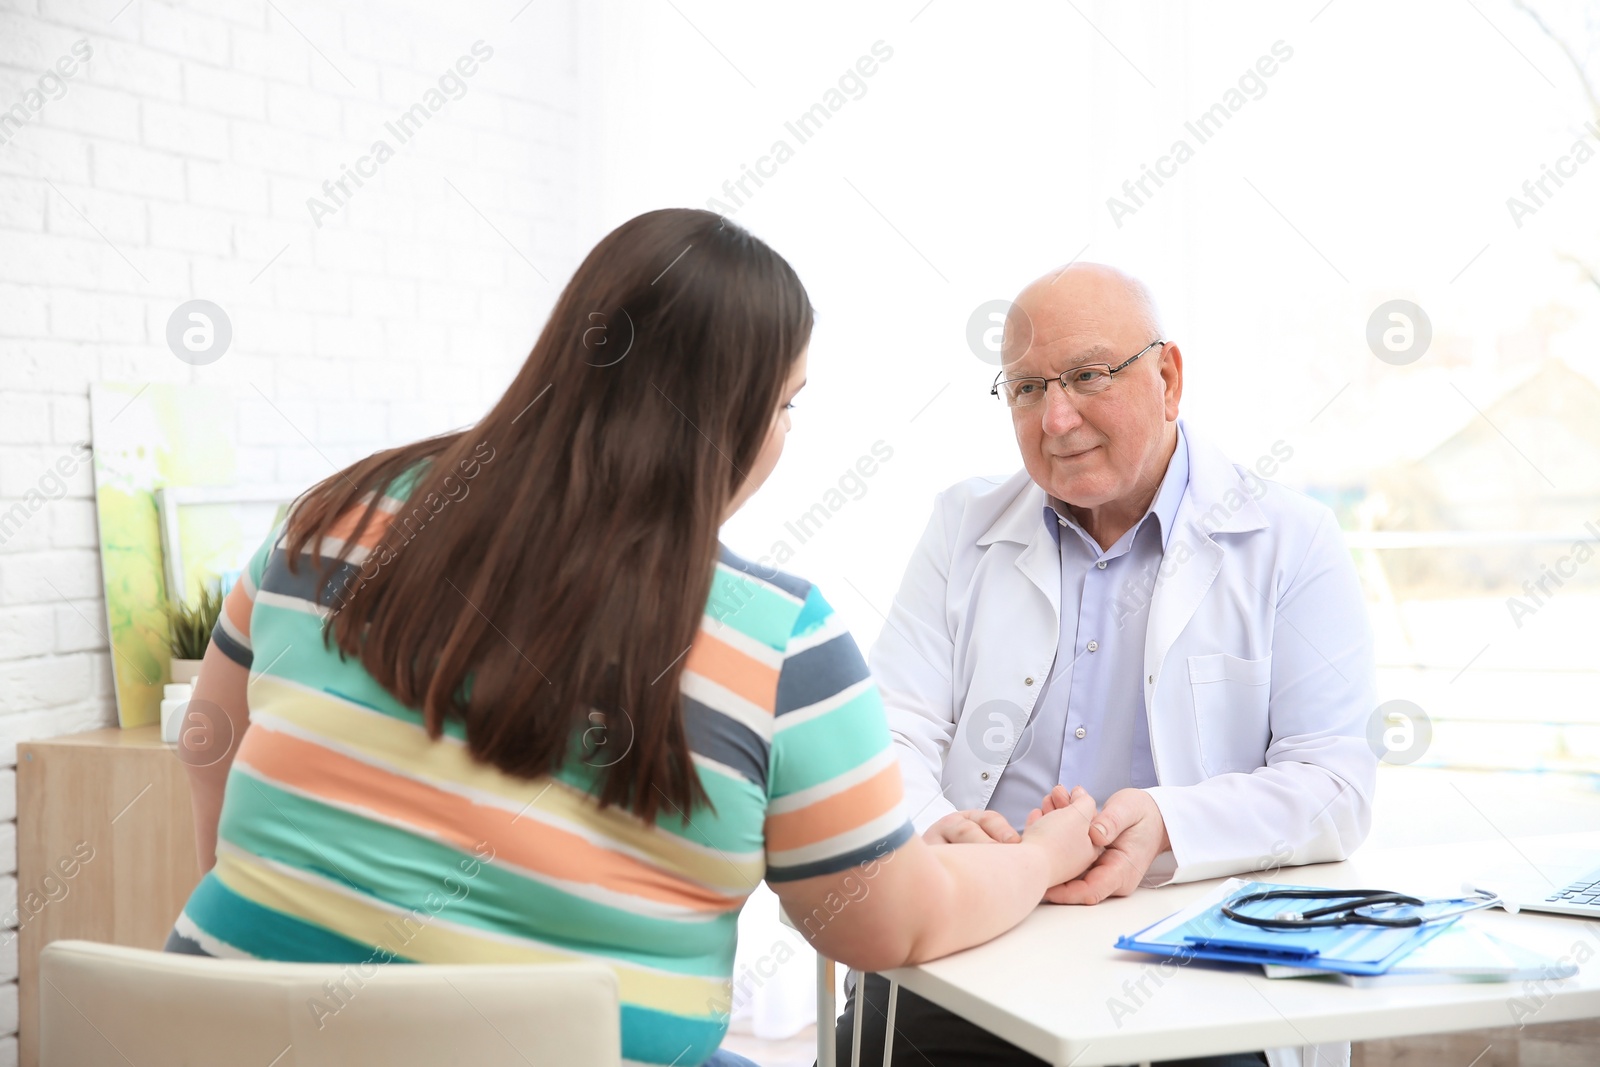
(1047,985)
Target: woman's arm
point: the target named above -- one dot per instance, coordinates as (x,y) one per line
(924,901)
(207,742)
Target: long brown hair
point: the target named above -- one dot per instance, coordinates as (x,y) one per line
(555,558)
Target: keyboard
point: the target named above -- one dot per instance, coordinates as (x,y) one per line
(1582,893)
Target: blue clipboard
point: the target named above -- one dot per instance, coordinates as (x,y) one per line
(1201,931)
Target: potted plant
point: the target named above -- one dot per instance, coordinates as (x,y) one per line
(189,631)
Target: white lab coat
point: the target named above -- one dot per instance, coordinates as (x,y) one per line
(1258,669)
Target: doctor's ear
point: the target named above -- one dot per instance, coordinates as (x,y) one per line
(1172,377)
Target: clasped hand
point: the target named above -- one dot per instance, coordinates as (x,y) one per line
(1125,837)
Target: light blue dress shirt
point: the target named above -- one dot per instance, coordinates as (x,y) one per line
(1089,726)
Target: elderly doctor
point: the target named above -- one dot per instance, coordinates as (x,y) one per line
(1133,615)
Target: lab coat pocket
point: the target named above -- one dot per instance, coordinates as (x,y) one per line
(1230,710)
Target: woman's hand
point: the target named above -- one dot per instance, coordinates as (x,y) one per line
(1132,834)
(1061,827)
(971,827)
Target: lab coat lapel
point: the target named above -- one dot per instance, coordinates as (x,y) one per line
(1188,568)
(1217,501)
(1041,562)
(1040,559)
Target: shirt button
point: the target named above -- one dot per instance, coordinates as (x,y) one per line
(984,776)
(1101,564)
(1080,733)
(1027,681)
(1094,646)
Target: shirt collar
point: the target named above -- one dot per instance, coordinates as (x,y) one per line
(1164,507)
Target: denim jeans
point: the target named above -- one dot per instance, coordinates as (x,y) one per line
(723,1058)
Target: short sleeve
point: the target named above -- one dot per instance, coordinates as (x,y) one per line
(833,782)
(232,633)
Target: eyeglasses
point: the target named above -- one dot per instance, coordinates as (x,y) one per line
(1084,380)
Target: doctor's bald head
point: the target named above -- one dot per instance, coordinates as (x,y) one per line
(1087,292)
(1101,443)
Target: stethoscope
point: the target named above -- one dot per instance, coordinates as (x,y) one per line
(1350,909)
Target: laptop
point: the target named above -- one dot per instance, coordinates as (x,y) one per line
(1581,896)
(1569,886)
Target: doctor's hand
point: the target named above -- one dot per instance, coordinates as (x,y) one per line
(1132,832)
(971,827)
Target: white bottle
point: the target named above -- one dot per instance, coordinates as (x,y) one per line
(173,699)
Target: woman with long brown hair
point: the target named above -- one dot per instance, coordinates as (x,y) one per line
(500,695)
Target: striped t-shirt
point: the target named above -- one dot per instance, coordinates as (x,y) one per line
(348,836)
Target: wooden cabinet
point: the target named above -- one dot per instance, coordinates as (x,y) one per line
(105,849)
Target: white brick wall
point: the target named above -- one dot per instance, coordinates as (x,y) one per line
(176,165)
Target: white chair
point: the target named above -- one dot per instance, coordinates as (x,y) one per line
(109,1006)
(828,1012)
